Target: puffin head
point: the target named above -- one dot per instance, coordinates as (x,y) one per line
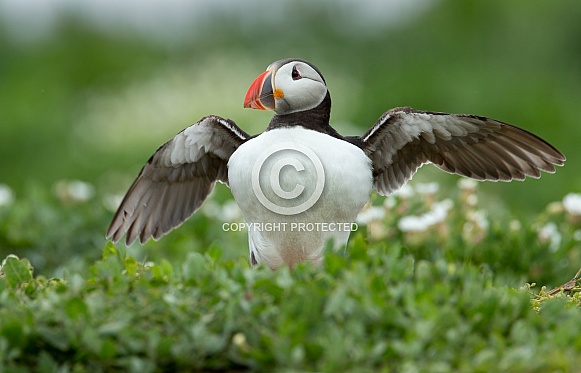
(287,86)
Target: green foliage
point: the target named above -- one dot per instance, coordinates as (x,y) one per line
(446,298)
(466,293)
(85,104)
(375,310)
(52,231)
(16,271)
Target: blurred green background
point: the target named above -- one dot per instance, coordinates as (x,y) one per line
(89,90)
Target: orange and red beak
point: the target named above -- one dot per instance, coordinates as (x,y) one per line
(260,94)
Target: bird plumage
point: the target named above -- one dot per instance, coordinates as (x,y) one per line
(480,148)
(182,172)
(176,180)
(347,184)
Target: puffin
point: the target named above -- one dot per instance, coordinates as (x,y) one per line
(301,184)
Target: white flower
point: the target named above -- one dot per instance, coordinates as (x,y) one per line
(572,203)
(419,223)
(405,191)
(514,225)
(211,209)
(467,184)
(389,202)
(370,214)
(75,190)
(230,211)
(478,218)
(112,201)
(472,200)
(550,233)
(427,188)
(6,195)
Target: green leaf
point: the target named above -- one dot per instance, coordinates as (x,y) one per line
(132,266)
(166,267)
(194,267)
(358,248)
(214,252)
(108,349)
(16,271)
(46,363)
(76,308)
(109,249)
(13,332)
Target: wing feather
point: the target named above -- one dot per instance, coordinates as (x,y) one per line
(176,180)
(404,139)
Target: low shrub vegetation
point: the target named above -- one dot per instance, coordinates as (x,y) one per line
(427,284)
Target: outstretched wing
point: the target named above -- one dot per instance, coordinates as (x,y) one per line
(404,139)
(177,179)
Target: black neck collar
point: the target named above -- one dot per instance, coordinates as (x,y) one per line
(316,119)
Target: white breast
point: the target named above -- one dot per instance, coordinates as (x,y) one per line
(299,188)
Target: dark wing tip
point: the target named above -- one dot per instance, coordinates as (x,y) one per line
(472,146)
(174,183)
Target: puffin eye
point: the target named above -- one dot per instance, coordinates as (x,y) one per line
(295,74)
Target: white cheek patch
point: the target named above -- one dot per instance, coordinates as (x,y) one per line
(311,93)
(300,95)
